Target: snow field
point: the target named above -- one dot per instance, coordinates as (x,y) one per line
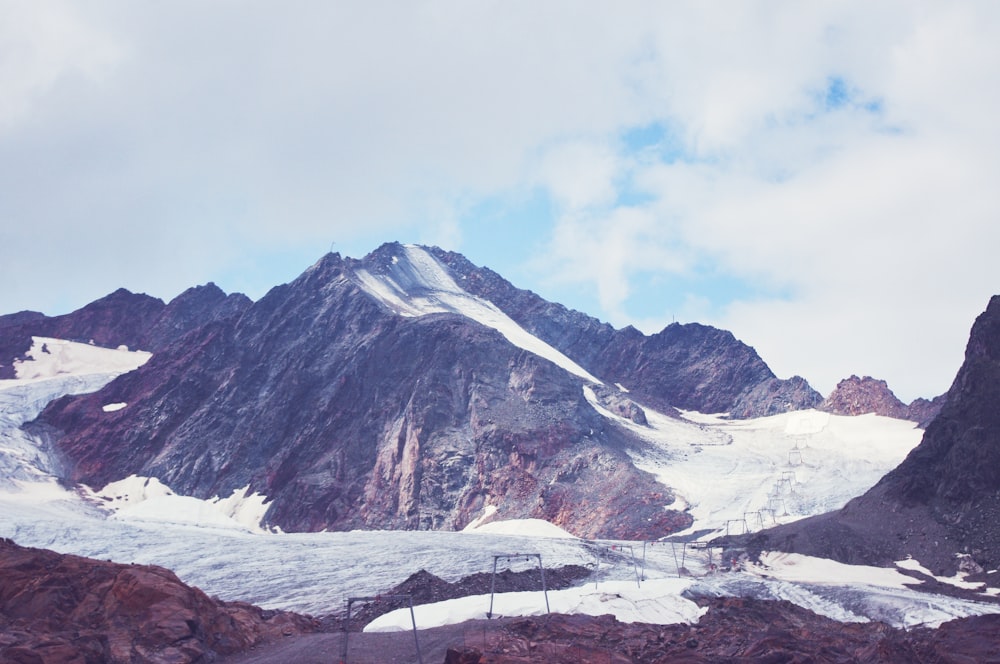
(52,357)
(147,499)
(658,602)
(736,476)
(421,285)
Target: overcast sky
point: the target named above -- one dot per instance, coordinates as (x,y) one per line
(820,178)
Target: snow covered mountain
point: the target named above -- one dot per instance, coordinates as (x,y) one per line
(409,389)
(413,390)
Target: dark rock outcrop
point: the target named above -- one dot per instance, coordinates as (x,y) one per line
(944,498)
(63,608)
(860,396)
(923,411)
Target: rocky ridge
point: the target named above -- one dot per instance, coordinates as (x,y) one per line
(693,366)
(734,629)
(121,318)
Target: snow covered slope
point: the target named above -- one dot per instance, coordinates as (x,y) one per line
(49,357)
(737,476)
(316,572)
(416,284)
(54,368)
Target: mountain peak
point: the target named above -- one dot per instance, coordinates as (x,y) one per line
(859,396)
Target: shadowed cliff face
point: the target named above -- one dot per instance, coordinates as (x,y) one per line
(347,415)
(944,498)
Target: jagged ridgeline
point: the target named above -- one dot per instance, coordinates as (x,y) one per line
(408,389)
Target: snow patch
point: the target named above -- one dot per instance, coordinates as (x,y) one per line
(421,285)
(657,602)
(807,569)
(520,527)
(137,498)
(50,357)
(958,580)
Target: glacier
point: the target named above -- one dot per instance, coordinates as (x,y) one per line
(723,470)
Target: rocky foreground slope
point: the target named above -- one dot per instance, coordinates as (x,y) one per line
(735,630)
(62,608)
(942,503)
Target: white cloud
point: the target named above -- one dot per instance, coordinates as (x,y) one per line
(607,248)
(155,146)
(580,174)
(872,220)
(42,44)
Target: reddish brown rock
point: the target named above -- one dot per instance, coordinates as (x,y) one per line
(860,396)
(57,608)
(736,630)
